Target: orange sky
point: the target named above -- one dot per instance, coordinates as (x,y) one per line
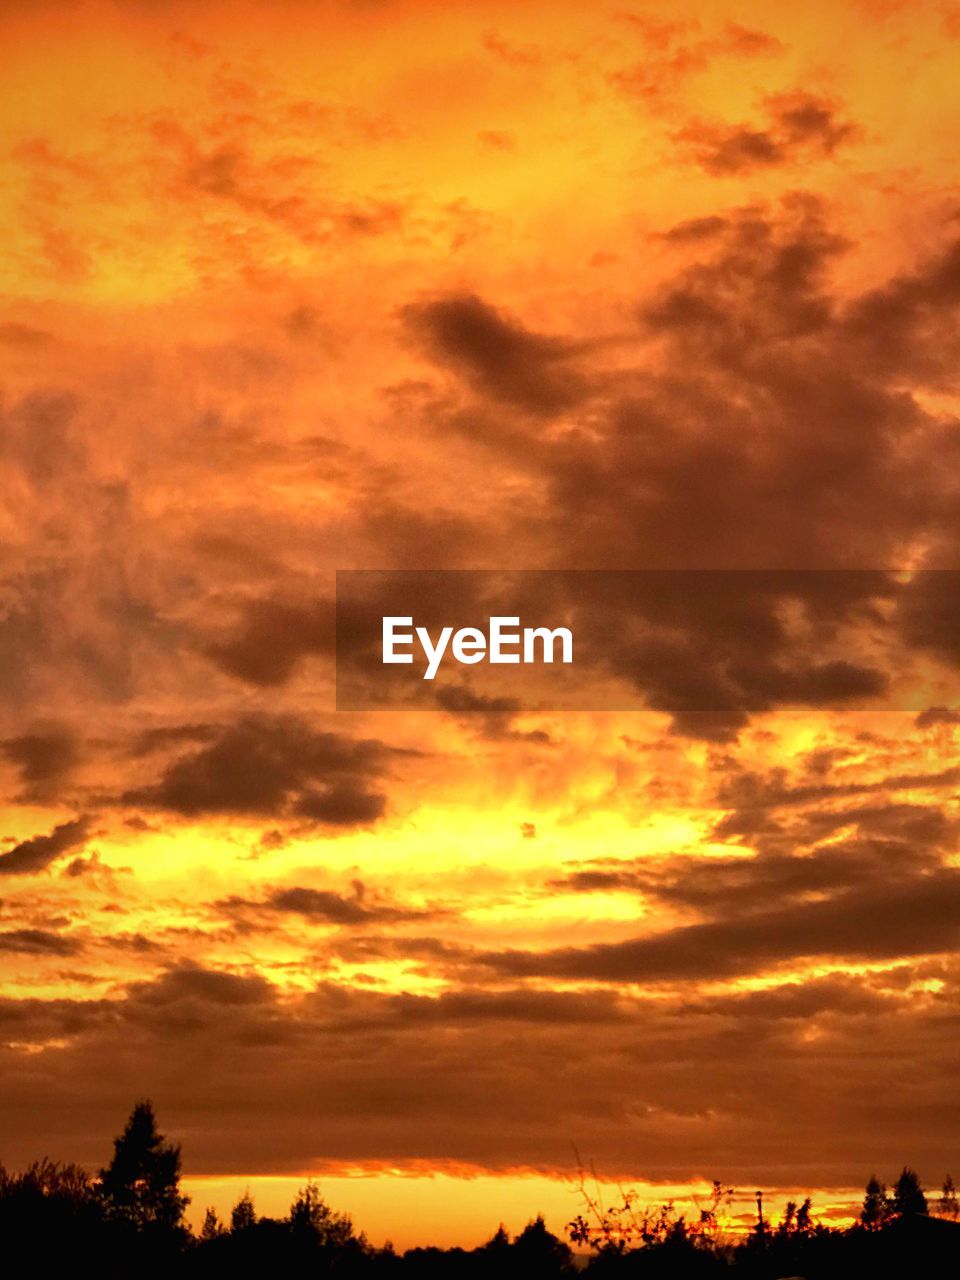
(302,287)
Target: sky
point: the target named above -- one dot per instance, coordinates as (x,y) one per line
(304,287)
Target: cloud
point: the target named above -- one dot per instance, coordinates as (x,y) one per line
(692,230)
(44,760)
(674,53)
(800,127)
(38,942)
(937,715)
(822,852)
(273,766)
(35,855)
(499,356)
(24,335)
(223,169)
(906,328)
(187,981)
(766,427)
(163,737)
(514,55)
(498,139)
(274,636)
(471,1077)
(491,716)
(341,806)
(361,907)
(914,919)
(334,908)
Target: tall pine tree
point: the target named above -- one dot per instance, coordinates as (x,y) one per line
(876,1206)
(141,1185)
(908,1198)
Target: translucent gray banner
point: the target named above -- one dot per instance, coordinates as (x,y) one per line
(723,643)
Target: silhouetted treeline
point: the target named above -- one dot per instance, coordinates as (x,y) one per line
(129,1221)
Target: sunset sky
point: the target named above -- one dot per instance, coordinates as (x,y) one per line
(297,287)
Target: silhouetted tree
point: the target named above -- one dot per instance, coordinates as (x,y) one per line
(51,1214)
(243,1215)
(212,1228)
(788,1223)
(141,1185)
(876,1206)
(805,1217)
(128,1225)
(499,1240)
(538,1252)
(791,1235)
(311,1215)
(948,1206)
(908,1197)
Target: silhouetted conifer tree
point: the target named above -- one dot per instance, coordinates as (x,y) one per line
(212,1228)
(243,1215)
(311,1215)
(949,1208)
(908,1197)
(141,1185)
(500,1239)
(876,1206)
(538,1252)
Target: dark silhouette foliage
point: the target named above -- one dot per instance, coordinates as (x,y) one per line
(908,1197)
(877,1209)
(129,1222)
(948,1205)
(141,1184)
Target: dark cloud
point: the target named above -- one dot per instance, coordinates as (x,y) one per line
(280,192)
(475,1076)
(44,759)
(928,612)
(937,715)
(886,853)
(491,716)
(771,419)
(328,907)
(501,358)
(452,1008)
(164,737)
(799,127)
(188,981)
(273,637)
(39,436)
(360,908)
(899,318)
(914,919)
(340,806)
(38,942)
(35,855)
(746,789)
(879,848)
(692,230)
(273,766)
